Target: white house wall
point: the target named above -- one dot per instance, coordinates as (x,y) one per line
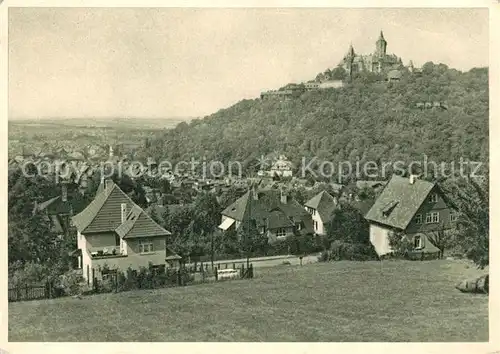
(379,238)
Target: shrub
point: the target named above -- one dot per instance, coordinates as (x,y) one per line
(107,285)
(324,256)
(340,250)
(71,283)
(29,274)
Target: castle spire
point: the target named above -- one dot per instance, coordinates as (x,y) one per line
(381,45)
(350,52)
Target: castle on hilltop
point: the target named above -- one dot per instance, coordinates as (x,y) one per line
(377,62)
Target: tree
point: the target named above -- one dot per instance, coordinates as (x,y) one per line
(250,239)
(301,245)
(206,218)
(348,225)
(154,215)
(366,193)
(442,239)
(399,244)
(471,198)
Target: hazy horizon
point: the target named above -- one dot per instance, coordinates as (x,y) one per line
(173,63)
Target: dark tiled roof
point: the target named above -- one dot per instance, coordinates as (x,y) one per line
(409,198)
(324,203)
(363,205)
(277,219)
(370,184)
(247,207)
(103,214)
(139,224)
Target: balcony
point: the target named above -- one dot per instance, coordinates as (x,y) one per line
(106,252)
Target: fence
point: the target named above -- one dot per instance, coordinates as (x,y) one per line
(32,292)
(153,278)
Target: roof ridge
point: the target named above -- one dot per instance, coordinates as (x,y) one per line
(103,202)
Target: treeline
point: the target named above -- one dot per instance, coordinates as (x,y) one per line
(367,120)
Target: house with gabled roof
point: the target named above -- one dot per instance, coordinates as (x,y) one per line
(58,210)
(275,214)
(114,231)
(321,208)
(412,207)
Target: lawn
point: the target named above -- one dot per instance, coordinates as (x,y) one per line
(343,301)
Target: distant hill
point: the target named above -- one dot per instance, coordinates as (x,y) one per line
(76,133)
(125,123)
(367,119)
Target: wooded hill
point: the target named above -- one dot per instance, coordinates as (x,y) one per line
(368,119)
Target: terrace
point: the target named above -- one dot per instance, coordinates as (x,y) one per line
(106,252)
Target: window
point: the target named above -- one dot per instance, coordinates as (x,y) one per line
(145,246)
(117,240)
(263,230)
(453,217)
(432,218)
(281,232)
(433,198)
(315,225)
(417,242)
(418,219)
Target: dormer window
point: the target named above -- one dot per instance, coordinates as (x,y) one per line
(433,198)
(389,207)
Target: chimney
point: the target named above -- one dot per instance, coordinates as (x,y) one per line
(255,195)
(123,211)
(64,192)
(413,178)
(107,184)
(284,197)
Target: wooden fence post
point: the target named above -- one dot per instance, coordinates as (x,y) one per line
(26,292)
(88,275)
(216,273)
(94,283)
(251,270)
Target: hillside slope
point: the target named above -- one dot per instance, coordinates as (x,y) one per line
(367,120)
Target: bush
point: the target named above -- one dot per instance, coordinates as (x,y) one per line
(340,250)
(324,256)
(107,285)
(71,283)
(29,274)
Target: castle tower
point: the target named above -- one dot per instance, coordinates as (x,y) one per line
(350,52)
(410,66)
(349,59)
(381,45)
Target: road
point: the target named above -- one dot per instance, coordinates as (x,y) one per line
(271,261)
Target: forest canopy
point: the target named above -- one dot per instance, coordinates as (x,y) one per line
(369,119)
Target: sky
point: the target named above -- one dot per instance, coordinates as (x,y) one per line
(173,62)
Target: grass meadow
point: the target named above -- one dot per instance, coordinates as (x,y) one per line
(329,302)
